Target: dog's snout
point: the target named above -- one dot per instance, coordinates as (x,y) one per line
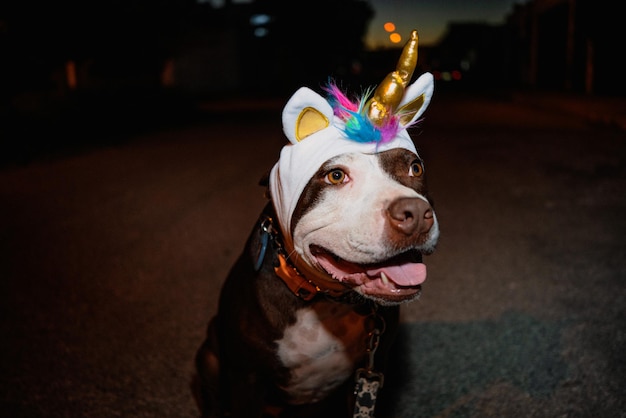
(410,215)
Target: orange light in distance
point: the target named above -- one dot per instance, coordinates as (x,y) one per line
(389,27)
(395,38)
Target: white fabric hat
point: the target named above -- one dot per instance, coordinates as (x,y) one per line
(318,130)
(300,160)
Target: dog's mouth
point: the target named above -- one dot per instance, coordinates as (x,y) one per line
(397,278)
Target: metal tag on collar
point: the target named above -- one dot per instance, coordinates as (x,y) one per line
(368,381)
(265,232)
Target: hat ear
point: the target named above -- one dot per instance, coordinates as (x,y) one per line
(416,99)
(305,113)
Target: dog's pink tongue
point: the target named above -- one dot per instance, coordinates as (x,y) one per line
(402,274)
(408,274)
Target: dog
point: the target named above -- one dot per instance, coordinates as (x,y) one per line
(309,310)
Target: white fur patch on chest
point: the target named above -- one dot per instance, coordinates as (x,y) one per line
(321,350)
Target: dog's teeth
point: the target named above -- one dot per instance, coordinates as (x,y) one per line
(384,277)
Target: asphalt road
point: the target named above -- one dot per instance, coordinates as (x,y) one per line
(112,259)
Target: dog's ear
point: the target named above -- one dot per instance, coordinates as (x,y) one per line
(305,113)
(416,99)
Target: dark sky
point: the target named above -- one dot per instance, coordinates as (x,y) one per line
(430,17)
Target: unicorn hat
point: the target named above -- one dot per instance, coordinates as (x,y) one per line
(319,129)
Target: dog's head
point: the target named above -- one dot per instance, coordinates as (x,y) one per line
(350,191)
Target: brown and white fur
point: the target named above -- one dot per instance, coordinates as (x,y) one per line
(314,298)
(271,353)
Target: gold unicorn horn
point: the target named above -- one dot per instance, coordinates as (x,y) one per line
(389,93)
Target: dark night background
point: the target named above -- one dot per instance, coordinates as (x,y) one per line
(136,62)
(133,135)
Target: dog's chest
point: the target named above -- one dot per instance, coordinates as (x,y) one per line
(321,349)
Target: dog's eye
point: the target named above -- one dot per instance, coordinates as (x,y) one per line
(336,176)
(416,169)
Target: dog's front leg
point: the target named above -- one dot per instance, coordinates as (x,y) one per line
(247,394)
(208,368)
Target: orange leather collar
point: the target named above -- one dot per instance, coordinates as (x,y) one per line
(303,280)
(304,287)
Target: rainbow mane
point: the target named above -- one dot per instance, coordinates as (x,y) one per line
(358,127)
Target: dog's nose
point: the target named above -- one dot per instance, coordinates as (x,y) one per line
(410,215)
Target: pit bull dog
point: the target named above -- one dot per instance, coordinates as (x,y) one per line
(308,311)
